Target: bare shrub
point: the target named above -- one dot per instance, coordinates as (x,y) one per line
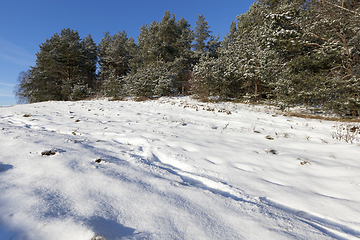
(349,133)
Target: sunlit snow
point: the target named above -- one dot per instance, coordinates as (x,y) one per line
(173,168)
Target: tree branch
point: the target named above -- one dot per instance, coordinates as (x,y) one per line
(311,34)
(341,7)
(313,44)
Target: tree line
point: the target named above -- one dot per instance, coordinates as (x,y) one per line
(287,52)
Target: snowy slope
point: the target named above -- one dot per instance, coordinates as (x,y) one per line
(173,168)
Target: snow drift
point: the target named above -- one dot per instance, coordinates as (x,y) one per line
(173,168)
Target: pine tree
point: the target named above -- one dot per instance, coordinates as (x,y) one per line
(247,60)
(208,78)
(184,44)
(314,39)
(230,35)
(164,48)
(202,33)
(114,62)
(204,41)
(89,61)
(65,69)
(342,21)
(168,35)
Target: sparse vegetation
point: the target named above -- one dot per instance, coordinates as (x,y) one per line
(272,151)
(48,153)
(269,137)
(349,133)
(97,237)
(305,162)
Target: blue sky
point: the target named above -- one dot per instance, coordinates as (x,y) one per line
(24,25)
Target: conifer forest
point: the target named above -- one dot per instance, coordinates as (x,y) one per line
(282,52)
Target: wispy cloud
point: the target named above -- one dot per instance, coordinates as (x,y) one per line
(7,92)
(7,84)
(6,89)
(6,95)
(12,53)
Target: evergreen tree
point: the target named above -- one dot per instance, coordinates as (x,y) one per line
(184,44)
(314,38)
(245,62)
(114,62)
(167,36)
(65,69)
(202,33)
(164,47)
(89,62)
(342,21)
(204,41)
(230,36)
(208,78)
(157,78)
(148,45)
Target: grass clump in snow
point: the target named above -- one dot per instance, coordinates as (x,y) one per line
(97,237)
(48,153)
(272,151)
(305,162)
(268,137)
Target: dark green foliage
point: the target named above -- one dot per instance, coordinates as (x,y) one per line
(154,79)
(208,78)
(115,54)
(296,52)
(164,55)
(65,69)
(165,41)
(314,39)
(204,42)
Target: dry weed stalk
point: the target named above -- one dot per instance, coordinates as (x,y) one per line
(349,133)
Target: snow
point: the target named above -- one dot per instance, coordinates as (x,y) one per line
(173,168)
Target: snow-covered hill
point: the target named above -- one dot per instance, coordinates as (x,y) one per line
(173,168)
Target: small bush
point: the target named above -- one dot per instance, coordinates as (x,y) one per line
(80,92)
